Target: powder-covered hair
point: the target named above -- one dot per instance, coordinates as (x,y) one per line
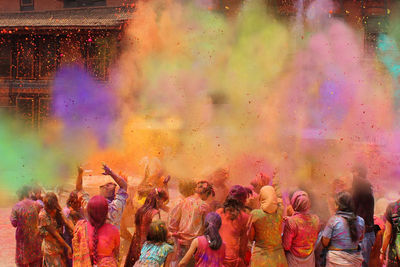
(51,203)
(72,198)
(239,193)
(97,209)
(345,203)
(157,232)
(151,203)
(205,188)
(212,223)
(233,203)
(187,187)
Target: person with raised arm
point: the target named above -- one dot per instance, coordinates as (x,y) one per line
(116,201)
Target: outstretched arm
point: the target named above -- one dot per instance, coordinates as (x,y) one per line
(79,179)
(189,254)
(119,180)
(58,237)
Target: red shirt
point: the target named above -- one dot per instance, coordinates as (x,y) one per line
(234,235)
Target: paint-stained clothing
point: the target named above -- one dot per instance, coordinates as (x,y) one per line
(234,235)
(140,237)
(107,246)
(206,256)
(186,220)
(115,207)
(108,240)
(154,254)
(391,216)
(300,234)
(53,251)
(268,250)
(25,217)
(337,230)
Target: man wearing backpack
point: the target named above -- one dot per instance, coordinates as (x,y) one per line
(391,236)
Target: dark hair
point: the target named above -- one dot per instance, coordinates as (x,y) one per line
(51,203)
(73,197)
(345,203)
(150,203)
(34,190)
(187,187)
(157,232)
(97,209)
(233,203)
(239,192)
(212,223)
(205,188)
(24,192)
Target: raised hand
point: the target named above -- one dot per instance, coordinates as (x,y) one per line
(107,170)
(80,169)
(166,180)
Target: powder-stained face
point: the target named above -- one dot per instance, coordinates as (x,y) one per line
(108,191)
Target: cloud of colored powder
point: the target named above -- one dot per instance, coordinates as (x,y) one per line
(28,157)
(83,104)
(253,93)
(308,103)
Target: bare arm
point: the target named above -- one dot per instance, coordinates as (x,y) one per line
(168,260)
(325,241)
(79,179)
(57,236)
(386,236)
(189,253)
(119,180)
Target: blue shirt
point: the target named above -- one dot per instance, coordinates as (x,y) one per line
(337,230)
(155,253)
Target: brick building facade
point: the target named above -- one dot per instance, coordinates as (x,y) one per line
(37,37)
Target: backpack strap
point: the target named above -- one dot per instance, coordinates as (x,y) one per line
(396,216)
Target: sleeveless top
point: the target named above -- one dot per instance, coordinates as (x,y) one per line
(206,256)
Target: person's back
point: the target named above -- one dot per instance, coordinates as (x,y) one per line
(25,217)
(191,215)
(338,230)
(268,228)
(304,230)
(206,256)
(108,240)
(234,234)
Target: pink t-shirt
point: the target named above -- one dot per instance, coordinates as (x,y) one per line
(108,236)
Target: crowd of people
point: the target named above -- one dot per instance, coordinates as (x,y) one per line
(211,225)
